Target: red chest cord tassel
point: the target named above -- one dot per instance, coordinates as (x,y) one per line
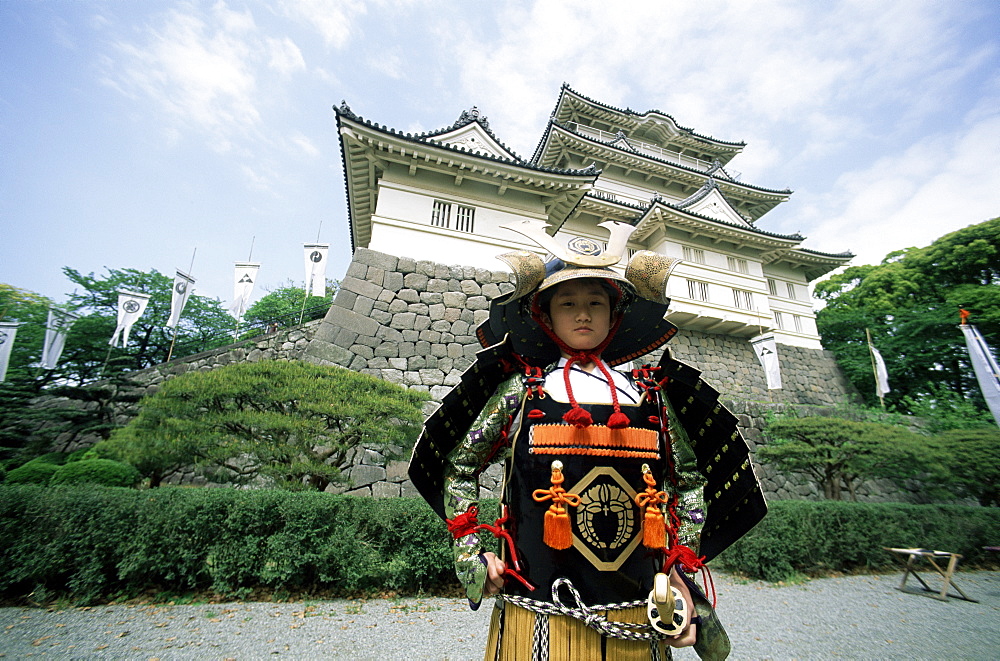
(689,562)
(556,529)
(654,532)
(498,530)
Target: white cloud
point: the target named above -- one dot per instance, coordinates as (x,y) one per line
(332,19)
(940,184)
(199,69)
(286,58)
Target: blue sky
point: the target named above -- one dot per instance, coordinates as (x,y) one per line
(133,133)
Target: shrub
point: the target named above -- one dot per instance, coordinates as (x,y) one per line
(90,542)
(33,472)
(817,537)
(96,471)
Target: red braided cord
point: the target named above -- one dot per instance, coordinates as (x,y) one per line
(500,533)
(463,524)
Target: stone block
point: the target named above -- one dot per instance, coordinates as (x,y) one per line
(387,350)
(460,328)
(363,305)
(470,288)
(362,351)
(352,321)
(421,323)
(431,297)
(345,338)
(385,490)
(455,350)
(375,258)
(403,320)
(479,316)
(418,308)
(477,303)
(406,349)
(345,299)
(408,295)
(389,334)
(357,270)
(417,281)
(375,275)
(392,376)
(454,299)
(329,354)
(398,306)
(393,281)
(362,474)
(363,287)
(411,336)
(425,267)
(436,285)
(398,363)
(490,290)
(406,265)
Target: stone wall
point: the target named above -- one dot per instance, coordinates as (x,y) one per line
(413,323)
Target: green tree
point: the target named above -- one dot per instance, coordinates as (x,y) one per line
(31,310)
(283,306)
(204,324)
(970,459)
(838,454)
(910,303)
(292,424)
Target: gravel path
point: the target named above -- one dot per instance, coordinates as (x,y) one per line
(857,617)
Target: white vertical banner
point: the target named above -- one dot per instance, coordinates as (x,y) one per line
(56,329)
(315,258)
(8,329)
(183,286)
(131,305)
(767,353)
(244,278)
(881,374)
(986,368)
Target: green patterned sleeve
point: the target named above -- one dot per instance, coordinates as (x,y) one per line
(690,486)
(470,457)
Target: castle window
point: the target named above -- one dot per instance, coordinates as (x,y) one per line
(779,320)
(791,290)
(441,214)
(743,299)
(694,255)
(465,219)
(737,264)
(697,291)
(797,321)
(772,287)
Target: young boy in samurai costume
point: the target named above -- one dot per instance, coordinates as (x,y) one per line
(615,485)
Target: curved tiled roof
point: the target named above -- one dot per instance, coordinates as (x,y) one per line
(553,122)
(628,111)
(644,208)
(427,138)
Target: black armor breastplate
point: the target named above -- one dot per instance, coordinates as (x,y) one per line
(607,562)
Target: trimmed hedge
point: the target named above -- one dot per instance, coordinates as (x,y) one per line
(33,472)
(90,543)
(805,537)
(105,472)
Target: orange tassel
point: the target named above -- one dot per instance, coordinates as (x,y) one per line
(654,529)
(654,532)
(556,531)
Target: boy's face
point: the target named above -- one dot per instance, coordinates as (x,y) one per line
(580,314)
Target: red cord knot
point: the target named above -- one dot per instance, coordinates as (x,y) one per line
(464,523)
(685,557)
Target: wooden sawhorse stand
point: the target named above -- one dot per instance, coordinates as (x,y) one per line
(947,574)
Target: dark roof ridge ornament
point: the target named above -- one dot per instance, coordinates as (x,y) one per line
(345,110)
(472,115)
